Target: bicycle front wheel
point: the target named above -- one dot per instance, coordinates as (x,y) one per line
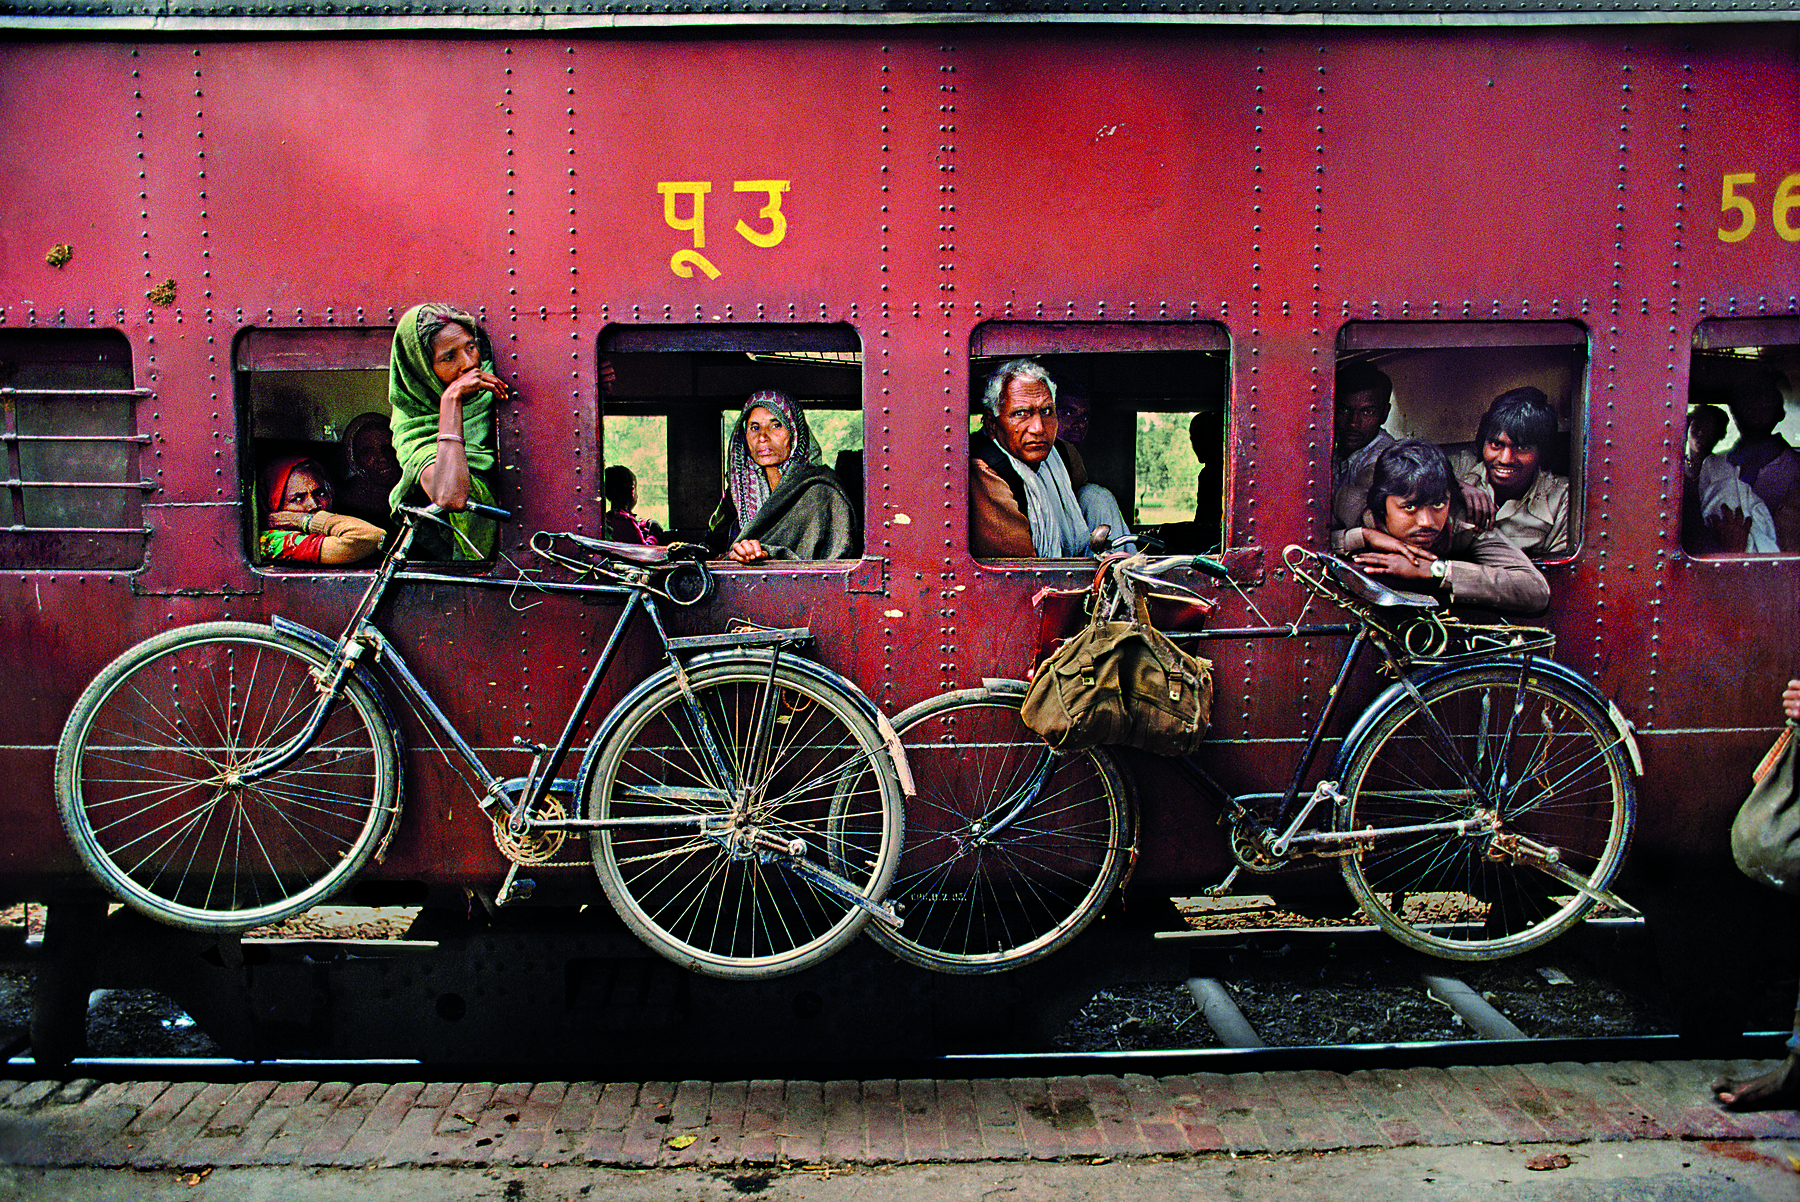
(1011,848)
(1532,764)
(739,792)
(148,788)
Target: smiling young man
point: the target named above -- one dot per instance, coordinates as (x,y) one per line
(1413,534)
(1503,481)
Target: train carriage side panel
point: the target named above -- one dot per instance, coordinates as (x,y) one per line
(1257,195)
(1726,628)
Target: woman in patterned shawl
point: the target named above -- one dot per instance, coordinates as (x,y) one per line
(780,501)
(442,387)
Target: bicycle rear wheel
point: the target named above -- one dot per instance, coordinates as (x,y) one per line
(146,785)
(979,899)
(1542,764)
(707,875)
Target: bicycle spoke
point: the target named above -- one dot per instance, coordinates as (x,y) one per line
(1557,771)
(1001,867)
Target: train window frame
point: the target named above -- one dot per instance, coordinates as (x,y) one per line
(266,430)
(1176,345)
(1440,344)
(722,361)
(73,443)
(1723,353)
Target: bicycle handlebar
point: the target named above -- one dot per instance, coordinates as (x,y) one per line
(434,512)
(492,512)
(1205,564)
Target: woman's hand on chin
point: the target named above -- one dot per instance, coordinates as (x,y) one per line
(459,390)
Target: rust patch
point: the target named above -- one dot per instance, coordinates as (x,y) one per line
(60,254)
(1745,1154)
(163,295)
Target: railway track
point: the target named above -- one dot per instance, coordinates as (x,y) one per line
(1233,1001)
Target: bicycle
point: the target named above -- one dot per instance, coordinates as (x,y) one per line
(1479,806)
(743,804)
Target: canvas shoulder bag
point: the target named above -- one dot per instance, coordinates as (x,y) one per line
(1765,836)
(1121,683)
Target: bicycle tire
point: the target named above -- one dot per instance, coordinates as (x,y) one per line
(1558,774)
(143,789)
(980,905)
(823,776)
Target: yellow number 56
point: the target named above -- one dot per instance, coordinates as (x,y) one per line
(1787,199)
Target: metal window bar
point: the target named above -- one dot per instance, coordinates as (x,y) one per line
(15,483)
(143,440)
(134,392)
(139,485)
(49,530)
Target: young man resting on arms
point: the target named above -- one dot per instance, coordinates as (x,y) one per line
(1413,534)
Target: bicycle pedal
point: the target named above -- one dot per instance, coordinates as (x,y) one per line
(1223,887)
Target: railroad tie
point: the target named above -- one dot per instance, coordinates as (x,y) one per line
(1482,1018)
(1222,1014)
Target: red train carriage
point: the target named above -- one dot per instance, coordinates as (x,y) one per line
(212,221)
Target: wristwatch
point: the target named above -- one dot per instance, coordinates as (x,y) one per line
(1440,568)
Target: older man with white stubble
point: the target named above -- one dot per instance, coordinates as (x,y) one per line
(1029,495)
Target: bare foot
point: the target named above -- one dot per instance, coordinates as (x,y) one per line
(1777,1089)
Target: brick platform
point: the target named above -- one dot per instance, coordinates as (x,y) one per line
(163,1124)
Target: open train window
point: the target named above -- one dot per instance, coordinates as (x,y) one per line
(671,397)
(1741,478)
(74,486)
(1506,400)
(1140,414)
(318,394)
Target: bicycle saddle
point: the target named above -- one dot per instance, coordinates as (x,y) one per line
(1370,591)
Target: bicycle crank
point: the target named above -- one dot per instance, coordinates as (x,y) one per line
(1549,860)
(748,842)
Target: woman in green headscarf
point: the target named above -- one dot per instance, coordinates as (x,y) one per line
(442,387)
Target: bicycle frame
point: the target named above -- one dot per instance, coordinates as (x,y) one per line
(1283,815)
(1279,832)
(1532,777)
(521,797)
(361,636)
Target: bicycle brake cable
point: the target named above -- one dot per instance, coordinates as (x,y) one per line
(521,580)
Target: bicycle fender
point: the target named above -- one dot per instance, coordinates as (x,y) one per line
(305,634)
(1571,677)
(369,681)
(1395,694)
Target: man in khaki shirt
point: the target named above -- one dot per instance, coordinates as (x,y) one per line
(1411,534)
(1503,484)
